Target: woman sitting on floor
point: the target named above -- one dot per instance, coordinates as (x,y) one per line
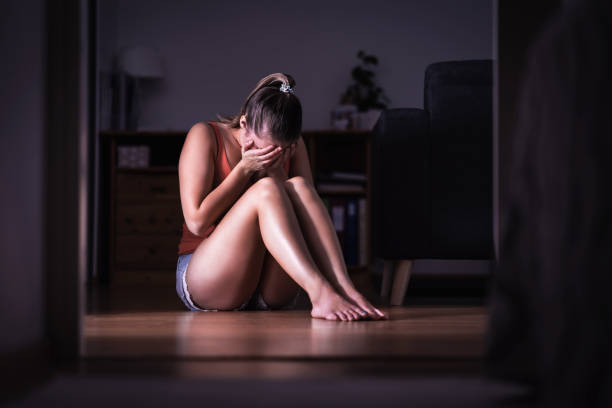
(255,228)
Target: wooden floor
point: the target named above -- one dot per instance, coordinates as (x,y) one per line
(410,332)
(166,338)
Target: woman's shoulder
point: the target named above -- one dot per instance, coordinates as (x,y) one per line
(201,127)
(201,136)
(202,130)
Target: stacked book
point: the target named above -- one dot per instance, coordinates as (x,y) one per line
(341,182)
(348,212)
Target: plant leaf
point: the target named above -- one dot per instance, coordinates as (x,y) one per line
(370,59)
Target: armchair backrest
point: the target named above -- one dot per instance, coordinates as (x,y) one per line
(458,98)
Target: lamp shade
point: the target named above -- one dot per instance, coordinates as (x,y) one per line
(142,62)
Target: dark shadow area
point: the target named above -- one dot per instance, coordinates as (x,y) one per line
(550,305)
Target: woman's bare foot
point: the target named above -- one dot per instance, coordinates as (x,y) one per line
(363,303)
(328,304)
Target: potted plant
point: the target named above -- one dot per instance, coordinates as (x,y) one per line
(363,92)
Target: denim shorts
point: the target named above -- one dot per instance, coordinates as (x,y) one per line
(255,302)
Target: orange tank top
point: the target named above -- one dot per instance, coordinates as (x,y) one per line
(189,241)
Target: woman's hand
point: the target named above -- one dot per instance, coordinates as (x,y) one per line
(258,160)
(276,168)
(287,153)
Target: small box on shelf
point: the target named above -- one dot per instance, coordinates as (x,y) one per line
(129,156)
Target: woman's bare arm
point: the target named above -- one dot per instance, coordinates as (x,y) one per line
(201,206)
(300,164)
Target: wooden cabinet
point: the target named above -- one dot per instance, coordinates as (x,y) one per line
(143,208)
(143,212)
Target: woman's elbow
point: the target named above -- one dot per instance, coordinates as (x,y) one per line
(194,227)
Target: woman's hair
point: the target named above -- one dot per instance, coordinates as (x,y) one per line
(267,108)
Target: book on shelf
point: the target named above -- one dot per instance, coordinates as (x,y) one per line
(348,216)
(342,178)
(341,181)
(325,187)
(348,176)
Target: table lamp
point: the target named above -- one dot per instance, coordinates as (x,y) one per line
(138,63)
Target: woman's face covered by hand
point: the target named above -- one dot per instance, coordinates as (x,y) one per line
(260,140)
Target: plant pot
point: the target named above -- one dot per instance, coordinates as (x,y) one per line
(344,117)
(367,120)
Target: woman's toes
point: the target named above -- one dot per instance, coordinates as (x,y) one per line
(354,314)
(375,313)
(381,314)
(369,312)
(360,312)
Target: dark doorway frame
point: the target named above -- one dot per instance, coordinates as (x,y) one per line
(70,148)
(70,127)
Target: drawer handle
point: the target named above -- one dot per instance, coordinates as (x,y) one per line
(152,251)
(152,220)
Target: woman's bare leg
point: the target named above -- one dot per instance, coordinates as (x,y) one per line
(225,268)
(323,242)
(277,288)
(275,285)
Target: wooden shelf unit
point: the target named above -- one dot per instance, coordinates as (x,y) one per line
(345,151)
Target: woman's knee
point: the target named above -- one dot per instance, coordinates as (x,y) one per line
(298,184)
(266,187)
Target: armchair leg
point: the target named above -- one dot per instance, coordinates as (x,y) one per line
(400,281)
(387,279)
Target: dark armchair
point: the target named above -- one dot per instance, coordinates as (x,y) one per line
(432,174)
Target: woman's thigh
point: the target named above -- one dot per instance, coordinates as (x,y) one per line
(226,267)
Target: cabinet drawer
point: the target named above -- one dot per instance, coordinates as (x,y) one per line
(143,186)
(164,218)
(146,251)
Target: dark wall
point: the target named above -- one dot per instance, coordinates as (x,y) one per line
(519,23)
(214,52)
(22,95)
(41,159)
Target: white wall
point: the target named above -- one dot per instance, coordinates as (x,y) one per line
(216,51)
